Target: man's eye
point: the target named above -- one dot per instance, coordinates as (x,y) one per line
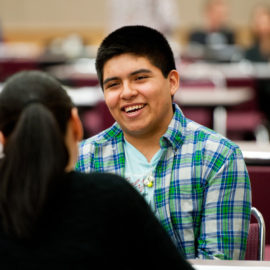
(110,85)
(141,77)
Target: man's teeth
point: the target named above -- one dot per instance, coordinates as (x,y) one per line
(132,108)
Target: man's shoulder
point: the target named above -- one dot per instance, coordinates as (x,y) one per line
(96,150)
(207,138)
(107,137)
(199,136)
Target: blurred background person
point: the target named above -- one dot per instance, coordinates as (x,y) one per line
(158,14)
(259,52)
(162,15)
(215,41)
(216,30)
(1,33)
(260,27)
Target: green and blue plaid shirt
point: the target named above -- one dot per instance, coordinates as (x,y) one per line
(202,189)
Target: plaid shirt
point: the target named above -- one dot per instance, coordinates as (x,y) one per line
(202,188)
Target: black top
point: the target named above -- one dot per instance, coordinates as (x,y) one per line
(95,221)
(254,54)
(222,37)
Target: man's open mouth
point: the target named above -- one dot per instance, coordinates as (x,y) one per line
(133,108)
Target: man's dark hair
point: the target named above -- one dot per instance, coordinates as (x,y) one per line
(138,40)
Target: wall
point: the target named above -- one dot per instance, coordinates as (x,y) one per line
(37,19)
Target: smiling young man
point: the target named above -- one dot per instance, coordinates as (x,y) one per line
(194,179)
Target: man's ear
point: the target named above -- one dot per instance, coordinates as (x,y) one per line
(174,81)
(76,125)
(2,138)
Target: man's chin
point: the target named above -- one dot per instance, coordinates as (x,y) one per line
(135,131)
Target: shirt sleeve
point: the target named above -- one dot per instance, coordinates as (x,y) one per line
(85,157)
(226,210)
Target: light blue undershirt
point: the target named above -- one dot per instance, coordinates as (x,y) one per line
(137,168)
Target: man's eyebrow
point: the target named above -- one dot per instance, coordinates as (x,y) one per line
(143,70)
(110,79)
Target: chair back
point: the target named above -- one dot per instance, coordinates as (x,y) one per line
(256,237)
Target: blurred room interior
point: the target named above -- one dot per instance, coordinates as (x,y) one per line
(219,87)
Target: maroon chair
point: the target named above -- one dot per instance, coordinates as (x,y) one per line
(96,119)
(259,174)
(256,237)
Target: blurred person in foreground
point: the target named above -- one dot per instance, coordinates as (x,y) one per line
(52,216)
(194,179)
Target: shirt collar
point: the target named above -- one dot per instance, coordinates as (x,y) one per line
(174,135)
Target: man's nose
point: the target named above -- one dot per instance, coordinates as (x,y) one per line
(128,91)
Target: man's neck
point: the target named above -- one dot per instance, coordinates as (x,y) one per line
(148,143)
(148,146)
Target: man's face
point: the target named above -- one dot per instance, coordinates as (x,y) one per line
(138,96)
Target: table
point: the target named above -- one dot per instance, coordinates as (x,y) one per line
(85,96)
(81,96)
(18,56)
(243,69)
(215,98)
(229,265)
(255,153)
(80,72)
(210,97)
